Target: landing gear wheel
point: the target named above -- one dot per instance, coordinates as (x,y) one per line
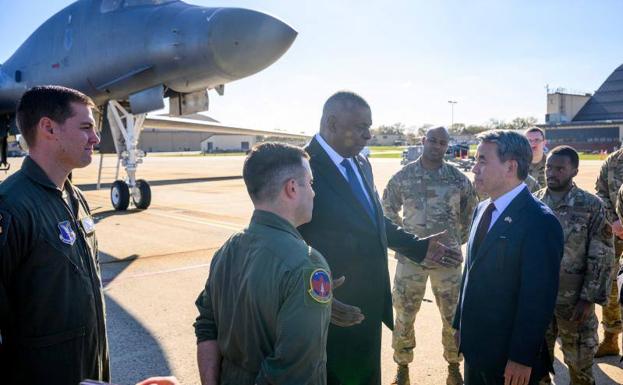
(142,194)
(120,195)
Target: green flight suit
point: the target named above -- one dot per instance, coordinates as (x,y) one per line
(267,302)
(51,300)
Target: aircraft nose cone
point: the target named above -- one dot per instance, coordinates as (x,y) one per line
(244,42)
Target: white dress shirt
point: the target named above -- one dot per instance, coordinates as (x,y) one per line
(502,202)
(337,160)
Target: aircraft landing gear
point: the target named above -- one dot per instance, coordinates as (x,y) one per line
(120,195)
(126,129)
(141,195)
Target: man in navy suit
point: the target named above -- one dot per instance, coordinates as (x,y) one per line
(510,280)
(349,229)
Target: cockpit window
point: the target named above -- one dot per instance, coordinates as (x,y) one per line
(110,5)
(134,3)
(113,5)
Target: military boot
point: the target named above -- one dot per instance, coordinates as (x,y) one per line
(454,375)
(402,376)
(609,346)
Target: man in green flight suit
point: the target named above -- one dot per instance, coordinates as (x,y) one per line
(266,306)
(51,303)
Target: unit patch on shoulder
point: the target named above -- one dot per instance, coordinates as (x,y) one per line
(320,286)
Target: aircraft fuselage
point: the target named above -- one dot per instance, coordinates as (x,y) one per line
(112,49)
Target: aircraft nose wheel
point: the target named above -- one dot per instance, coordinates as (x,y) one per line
(120,195)
(141,196)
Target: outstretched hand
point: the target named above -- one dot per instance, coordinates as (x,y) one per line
(344,315)
(441,254)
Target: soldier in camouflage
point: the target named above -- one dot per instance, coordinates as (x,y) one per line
(532,184)
(608,183)
(536,137)
(585,268)
(434,197)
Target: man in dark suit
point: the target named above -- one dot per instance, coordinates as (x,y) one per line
(349,229)
(510,281)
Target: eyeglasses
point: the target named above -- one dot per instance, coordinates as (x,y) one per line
(535,141)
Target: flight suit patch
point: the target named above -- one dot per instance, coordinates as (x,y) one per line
(88,225)
(320,286)
(67,235)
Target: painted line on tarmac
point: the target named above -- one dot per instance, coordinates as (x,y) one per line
(186,218)
(107,282)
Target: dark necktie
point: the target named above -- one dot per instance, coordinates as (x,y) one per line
(357,189)
(483,228)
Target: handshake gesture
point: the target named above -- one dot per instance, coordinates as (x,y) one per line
(440,254)
(345,315)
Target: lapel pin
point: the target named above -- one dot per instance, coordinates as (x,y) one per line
(508,219)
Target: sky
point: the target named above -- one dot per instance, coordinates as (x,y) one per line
(406,58)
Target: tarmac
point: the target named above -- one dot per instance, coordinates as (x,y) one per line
(155,263)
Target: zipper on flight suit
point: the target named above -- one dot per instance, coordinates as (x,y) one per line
(99,306)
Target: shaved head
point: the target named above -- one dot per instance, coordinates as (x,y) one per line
(435,146)
(345,123)
(340,102)
(438,130)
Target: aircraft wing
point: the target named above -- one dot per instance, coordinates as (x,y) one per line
(166,123)
(184,124)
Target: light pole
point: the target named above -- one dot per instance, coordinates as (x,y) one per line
(452,103)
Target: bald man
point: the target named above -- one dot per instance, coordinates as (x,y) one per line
(433,196)
(349,228)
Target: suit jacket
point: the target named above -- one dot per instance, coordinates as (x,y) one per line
(512,282)
(355,246)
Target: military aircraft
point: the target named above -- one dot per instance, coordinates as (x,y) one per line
(128,55)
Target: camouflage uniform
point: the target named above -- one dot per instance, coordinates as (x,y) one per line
(533,184)
(432,201)
(537,171)
(585,273)
(608,183)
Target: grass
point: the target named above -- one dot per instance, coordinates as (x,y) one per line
(377,149)
(386,151)
(396,152)
(193,154)
(397,155)
(584,156)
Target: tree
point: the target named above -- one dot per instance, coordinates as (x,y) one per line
(421,131)
(474,129)
(456,129)
(496,124)
(522,123)
(394,129)
(412,138)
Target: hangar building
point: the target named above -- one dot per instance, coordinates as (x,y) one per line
(587,122)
